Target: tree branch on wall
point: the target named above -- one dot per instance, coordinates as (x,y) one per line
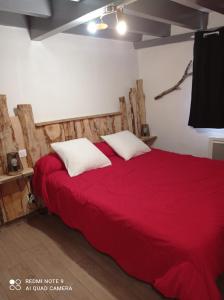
(176,86)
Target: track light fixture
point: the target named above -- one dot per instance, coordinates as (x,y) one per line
(121,25)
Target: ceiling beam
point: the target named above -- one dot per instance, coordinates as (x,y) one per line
(106,34)
(168,12)
(141,25)
(184,37)
(67,14)
(177,38)
(14,20)
(216,5)
(36,8)
(136,28)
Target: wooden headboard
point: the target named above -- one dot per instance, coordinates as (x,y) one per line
(37,137)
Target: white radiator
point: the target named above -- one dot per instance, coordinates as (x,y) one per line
(216,148)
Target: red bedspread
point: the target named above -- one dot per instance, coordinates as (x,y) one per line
(159,215)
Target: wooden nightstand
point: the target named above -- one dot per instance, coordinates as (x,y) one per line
(149,140)
(13,195)
(8,178)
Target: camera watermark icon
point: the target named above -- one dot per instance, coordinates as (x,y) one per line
(15,284)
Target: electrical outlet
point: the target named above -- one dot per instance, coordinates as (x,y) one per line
(22,153)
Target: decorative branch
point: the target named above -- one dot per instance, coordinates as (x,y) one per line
(176,86)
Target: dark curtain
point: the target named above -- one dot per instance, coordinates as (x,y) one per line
(207,102)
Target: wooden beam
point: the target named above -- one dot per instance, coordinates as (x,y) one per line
(40,8)
(134,104)
(7,136)
(140,25)
(136,28)
(124,116)
(141,101)
(165,41)
(215,5)
(67,14)
(177,38)
(168,12)
(78,119)
(146,26)
(31,137)
(11,19)
(106,34)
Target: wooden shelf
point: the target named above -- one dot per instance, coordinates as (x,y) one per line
(149,140)
(7,178)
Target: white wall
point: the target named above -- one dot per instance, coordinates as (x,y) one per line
(161,67)
(66,75)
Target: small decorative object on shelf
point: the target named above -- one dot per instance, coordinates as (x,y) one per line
(14,165)
(145,130)
(149,140)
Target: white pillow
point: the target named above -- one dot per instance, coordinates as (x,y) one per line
(80,155)
(126,144)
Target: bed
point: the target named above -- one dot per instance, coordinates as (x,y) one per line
(159,215)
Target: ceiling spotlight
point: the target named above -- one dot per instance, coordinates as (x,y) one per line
(92,27)
(121,27)
(101,25)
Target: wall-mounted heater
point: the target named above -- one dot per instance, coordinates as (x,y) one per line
(216,148)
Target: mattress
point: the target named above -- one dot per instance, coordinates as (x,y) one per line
(159,215)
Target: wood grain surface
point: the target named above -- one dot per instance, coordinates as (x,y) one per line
(41,246)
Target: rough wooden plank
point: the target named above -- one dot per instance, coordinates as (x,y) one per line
(79,129)
(96,126)
(13,189)
(13,196)
(19,138)
(14,199)
(7,136)
(141,101)
(149,140)
(44,145)
(136,123)
(32,142)
(117,124)
(123,109)
(103,126)
(77,119)
(95,134)
(87,129)
(8,178)
(129,117)
(69,130)
(53,133)
(110,124)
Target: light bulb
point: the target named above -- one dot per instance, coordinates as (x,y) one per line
(91,27)
(121,27)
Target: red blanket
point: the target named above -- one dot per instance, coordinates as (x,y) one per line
(159,215)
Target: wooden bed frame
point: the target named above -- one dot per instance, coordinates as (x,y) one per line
(21,132)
